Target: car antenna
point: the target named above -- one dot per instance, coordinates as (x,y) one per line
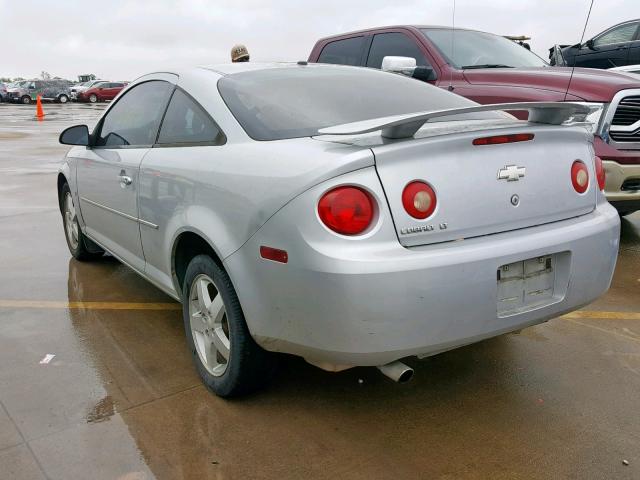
(453,29)
(566,94)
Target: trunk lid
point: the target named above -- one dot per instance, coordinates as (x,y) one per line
(471,199)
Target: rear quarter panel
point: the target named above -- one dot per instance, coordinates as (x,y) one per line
(226,193)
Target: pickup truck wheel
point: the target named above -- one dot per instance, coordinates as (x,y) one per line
(93,98)
(63,99)
(26,99)
(228,360)
(80,246)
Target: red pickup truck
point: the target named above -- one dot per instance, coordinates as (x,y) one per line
(488,68)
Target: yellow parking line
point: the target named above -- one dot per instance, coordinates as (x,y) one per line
(582,314)
(53,304)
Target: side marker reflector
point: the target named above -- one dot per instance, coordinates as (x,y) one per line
(274,254)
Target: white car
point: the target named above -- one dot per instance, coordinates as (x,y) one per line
(81,87)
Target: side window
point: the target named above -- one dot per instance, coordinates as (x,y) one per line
(394,44)
(187,122)
(343,52)
(135,118)
(621,34)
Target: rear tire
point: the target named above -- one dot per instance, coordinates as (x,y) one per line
(228,360)
(25,100)
(80,246)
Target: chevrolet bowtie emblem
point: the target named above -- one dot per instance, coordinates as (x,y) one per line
(511,173)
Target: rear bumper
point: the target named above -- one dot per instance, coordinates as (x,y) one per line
(337,308)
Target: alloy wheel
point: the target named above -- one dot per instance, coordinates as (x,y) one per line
(71,222)
(209,325)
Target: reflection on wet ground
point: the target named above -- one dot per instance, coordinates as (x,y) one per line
(120,398)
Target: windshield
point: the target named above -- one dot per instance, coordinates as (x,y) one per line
(480,50)
(278,103)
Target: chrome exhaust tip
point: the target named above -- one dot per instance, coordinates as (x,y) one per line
(397,371)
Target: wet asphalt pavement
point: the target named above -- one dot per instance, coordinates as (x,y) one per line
(121,399)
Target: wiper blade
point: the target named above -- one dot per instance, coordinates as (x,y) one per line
(486,65)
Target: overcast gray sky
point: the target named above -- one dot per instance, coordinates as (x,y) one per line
(122,39)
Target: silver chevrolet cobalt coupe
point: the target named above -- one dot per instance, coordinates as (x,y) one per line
(349,216)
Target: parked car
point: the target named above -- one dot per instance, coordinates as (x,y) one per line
(308,209)
(3,92)
(81,87)
(615,47)
(101,92)
(627,68)
(52,90)
(488,68)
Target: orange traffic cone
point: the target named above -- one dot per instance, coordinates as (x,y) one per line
(39,111)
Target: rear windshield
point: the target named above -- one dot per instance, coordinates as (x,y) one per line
(279,103)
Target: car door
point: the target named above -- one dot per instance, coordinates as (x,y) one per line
(107,174)
(634,50)
(189,141)
(114,89)
(609,49)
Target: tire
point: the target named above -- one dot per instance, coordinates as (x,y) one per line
(25,100)
(80,246)
(93,98)
(228,360)
(63,99)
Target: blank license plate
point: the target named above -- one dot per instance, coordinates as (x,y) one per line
(525,285)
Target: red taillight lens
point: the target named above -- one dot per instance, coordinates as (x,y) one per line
(579,176)
(600,173)
(346,210)
(419,199)
(498,139)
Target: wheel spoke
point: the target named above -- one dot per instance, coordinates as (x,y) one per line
(216,310)
(221,341)
(204,301)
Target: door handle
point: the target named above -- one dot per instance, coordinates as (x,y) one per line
(125,180)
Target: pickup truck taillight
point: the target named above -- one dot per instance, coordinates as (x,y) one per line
(600,173)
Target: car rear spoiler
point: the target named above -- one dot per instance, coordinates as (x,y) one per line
(406,126)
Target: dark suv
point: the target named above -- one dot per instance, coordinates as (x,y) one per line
(489,68)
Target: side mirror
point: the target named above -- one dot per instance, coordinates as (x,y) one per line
(590,45)
(426,74)
(403,65)
(76,135)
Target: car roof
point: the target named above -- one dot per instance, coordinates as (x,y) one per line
(391,27)
(239,67)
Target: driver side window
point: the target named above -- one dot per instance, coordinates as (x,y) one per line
(135,118)
(621,34)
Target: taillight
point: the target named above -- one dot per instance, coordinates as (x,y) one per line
(419,199)
(600,173)
(346,210)
(579,176)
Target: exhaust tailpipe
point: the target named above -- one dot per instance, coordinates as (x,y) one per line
(397,371)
